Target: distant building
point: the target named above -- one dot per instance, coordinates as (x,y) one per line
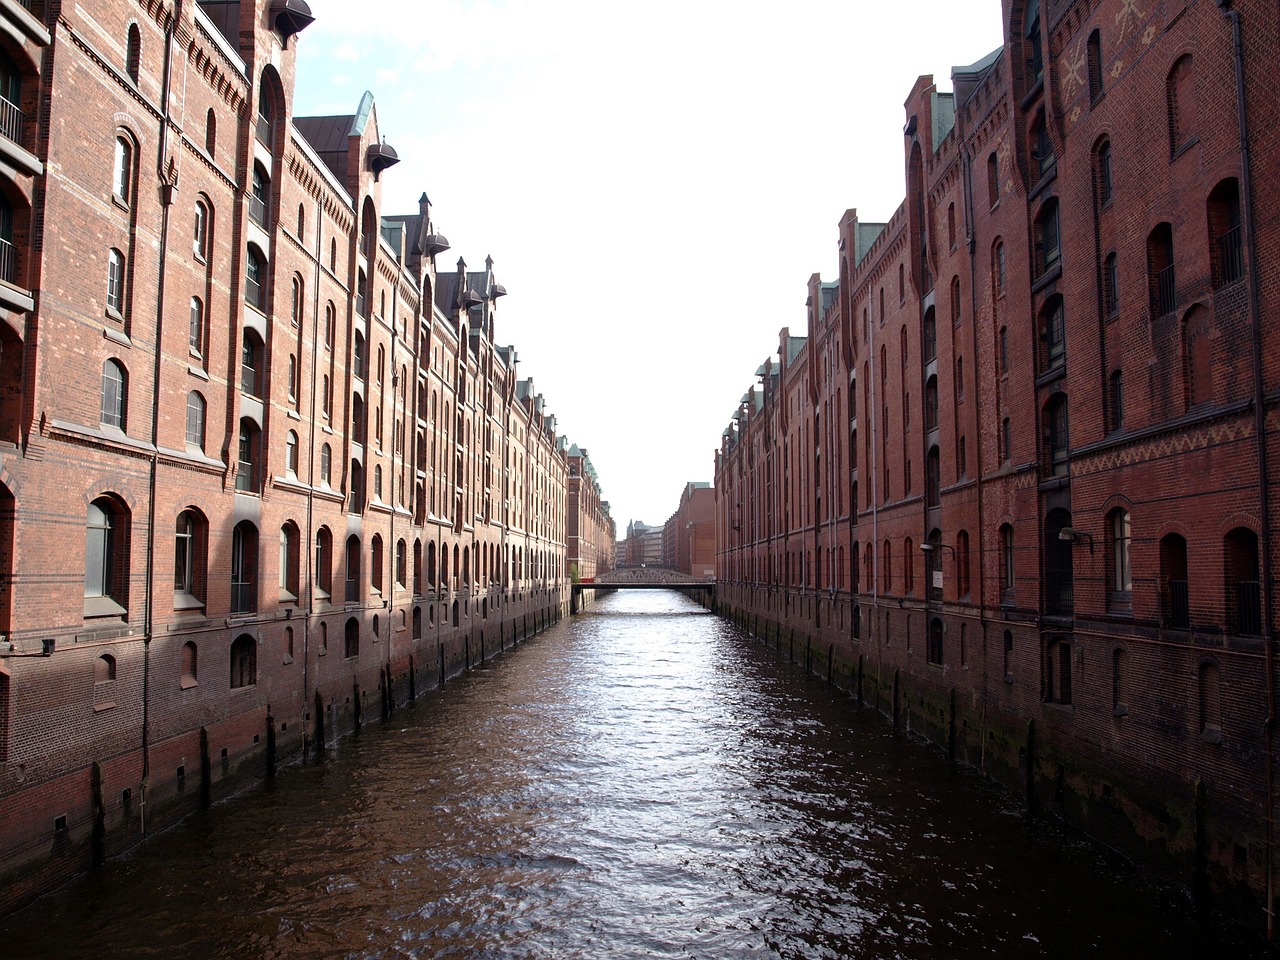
(589,530)
(643,546)
(689,537)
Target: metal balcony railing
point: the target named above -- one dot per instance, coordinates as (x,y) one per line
(258,211)
(1162,292)
(11,120)
(1231,256)
(8,261)
(1177,606)
(1248,619)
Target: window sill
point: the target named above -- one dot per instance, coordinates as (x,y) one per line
(116,336)
(187,683)
(101,707)
(95,607)
(120,202)
(187,601)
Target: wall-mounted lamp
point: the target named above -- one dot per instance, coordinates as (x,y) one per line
(928,546)
(1072,535)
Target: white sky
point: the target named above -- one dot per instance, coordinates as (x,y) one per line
(655,181)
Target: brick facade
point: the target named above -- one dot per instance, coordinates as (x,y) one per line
(1016,486)
(264,473)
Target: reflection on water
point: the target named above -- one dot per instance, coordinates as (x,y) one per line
(640,781)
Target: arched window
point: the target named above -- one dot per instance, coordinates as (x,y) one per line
(933,477)
(200,230)
(1094,66)
(326,397)
(935,641)
(296,301)
(244,568)
(195,420)
(931,403)
(114,406)
(1111,285)
(195,329)
(1102,173)
(290,574)
(330,324)
(106,559)
(324,562)
(1181,95)
(355,503)
(357,419)
(1053,333)
(326,464)
(375,562)
(1210,690)
(122,170)
(250,454)
(930,335)
(115,283)
(189,558)
(1007,571)
(210,132)
(1160,278)
(417,567)
(951,226)
(993,179)
(255,292)
(1115,400)
(252,366)
(1120,556)
(1174,587)
(358,368)
(908,566)
(353,569)
(431,564)
(1059,591)
(1056,436)
(1226,250)
(302,223)
(1244,594)
(260,196)
(402,564)
(1047,237)
(265,128)
(291,453)
(963,582)
(1057,670)
(244,661)
(133,52)
(351,639)
(1042,153)
(291,378)
(188,670)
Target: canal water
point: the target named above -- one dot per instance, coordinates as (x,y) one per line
(642,780)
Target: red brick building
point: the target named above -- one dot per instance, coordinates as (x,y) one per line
(590,533)
(689,535)
(263,471)
(1016,486)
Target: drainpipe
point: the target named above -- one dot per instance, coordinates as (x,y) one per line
(971,240)
(1260,440)
(394,492)
(875,492)
(308,548)
(167,176)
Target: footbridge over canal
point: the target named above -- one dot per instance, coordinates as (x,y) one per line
(642,578)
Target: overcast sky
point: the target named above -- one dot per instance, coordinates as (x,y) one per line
(655,181)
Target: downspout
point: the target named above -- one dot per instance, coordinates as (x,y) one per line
(1260,441)
(395,491)
(308,549)
(167,176)
(971,241)
(875,492)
